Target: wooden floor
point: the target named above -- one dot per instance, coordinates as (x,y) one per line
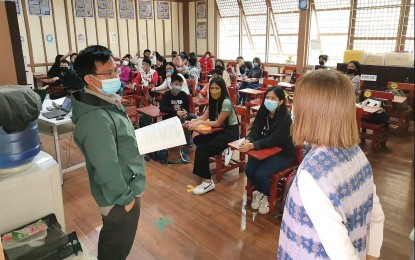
(219,225)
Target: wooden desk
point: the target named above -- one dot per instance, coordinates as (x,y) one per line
(250,91)
(278,75)
(151,111)
(46,81)
(286,85)
(399,99)
(369,110)
(257,154)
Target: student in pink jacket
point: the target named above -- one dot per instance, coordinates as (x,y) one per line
(124,76)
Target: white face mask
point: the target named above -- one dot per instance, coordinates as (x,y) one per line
(125,63)
(109,86)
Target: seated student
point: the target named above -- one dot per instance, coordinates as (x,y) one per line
(139,61)
(72,56)
(193,55)
(192,71)
(66,78)
(129,58)
(254,75)
(175,102)
(220,114)
(271,128)
(146,76)
(170,70)
(55,69)
(173,55)
(184,57)
(207,60)
(322,60)
(179,64)
(161,69)
(124,75)
(204,92)
(240,67)
(353,73)
(221,65)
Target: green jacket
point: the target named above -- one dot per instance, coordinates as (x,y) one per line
(106,138)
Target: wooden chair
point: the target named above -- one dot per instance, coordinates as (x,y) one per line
(192,86)
(379,134)
(404,117)
(232,95)
(233,164)
(265,74)
(289,69)
(266,83)
(359,117)
(275,178)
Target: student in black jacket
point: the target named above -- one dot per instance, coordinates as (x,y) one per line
(175,102)
(271,128)
(54,70)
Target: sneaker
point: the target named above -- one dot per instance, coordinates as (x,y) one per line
(263,205)
(203,188)
(228,155)
(184,154)
(256,197)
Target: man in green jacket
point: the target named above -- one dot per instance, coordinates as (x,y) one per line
(105,135)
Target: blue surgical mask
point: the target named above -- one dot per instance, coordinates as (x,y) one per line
(110,86)
(171,71)
(255,64)
(271,105)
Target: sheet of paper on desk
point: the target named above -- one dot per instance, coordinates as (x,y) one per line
(162,135)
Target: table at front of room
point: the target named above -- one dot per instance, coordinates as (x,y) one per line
(57,128)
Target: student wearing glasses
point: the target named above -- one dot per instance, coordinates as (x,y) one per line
(106,138)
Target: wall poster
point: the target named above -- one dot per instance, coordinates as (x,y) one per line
(39,7)
(145,10)
(105,9)
(163,10)
(201,30)
(126,9)
(201,10)
(84,8)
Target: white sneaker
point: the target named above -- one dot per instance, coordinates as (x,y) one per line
(228,155)
(256,197)
(263,205)
(203,188)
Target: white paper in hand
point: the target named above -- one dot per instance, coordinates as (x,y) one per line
(162,135)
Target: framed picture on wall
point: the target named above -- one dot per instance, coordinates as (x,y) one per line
(84,8)
(201,30)
(163,10)
(105,9)
(126,9)
(145,10)
(39,7)
(201,10)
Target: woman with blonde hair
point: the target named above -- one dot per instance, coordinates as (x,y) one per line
(332,210)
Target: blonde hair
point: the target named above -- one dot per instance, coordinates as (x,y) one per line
(325,110)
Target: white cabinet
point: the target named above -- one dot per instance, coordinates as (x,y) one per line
(30,194)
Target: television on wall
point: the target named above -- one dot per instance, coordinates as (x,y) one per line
(303,4)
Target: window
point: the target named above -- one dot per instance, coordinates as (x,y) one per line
(409,42)
(284,31)
(228,8)
(229,38)
(329,30)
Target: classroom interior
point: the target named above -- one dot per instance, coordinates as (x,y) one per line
(288,37)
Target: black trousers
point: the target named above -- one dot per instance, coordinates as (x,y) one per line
(211,145)
(118,232)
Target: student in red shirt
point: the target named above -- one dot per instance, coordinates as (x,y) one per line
(147,76)
(207,60)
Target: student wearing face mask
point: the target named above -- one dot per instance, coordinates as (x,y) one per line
(204,92)
(206,60)
(271,128)
(220,113)
(124,75)
(353,73)
(253,77)
(170,70)
(220,64)
(175,102)
(66,78)
(106,138)
(161,69)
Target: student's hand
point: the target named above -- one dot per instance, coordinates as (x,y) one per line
(129,207)
(369,257)
(55,79)
(244,142)
(246,147)
(181,113)
(244,77)
(192,124)
(45,87)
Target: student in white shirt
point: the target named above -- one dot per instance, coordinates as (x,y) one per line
(139,61)
(170,68)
